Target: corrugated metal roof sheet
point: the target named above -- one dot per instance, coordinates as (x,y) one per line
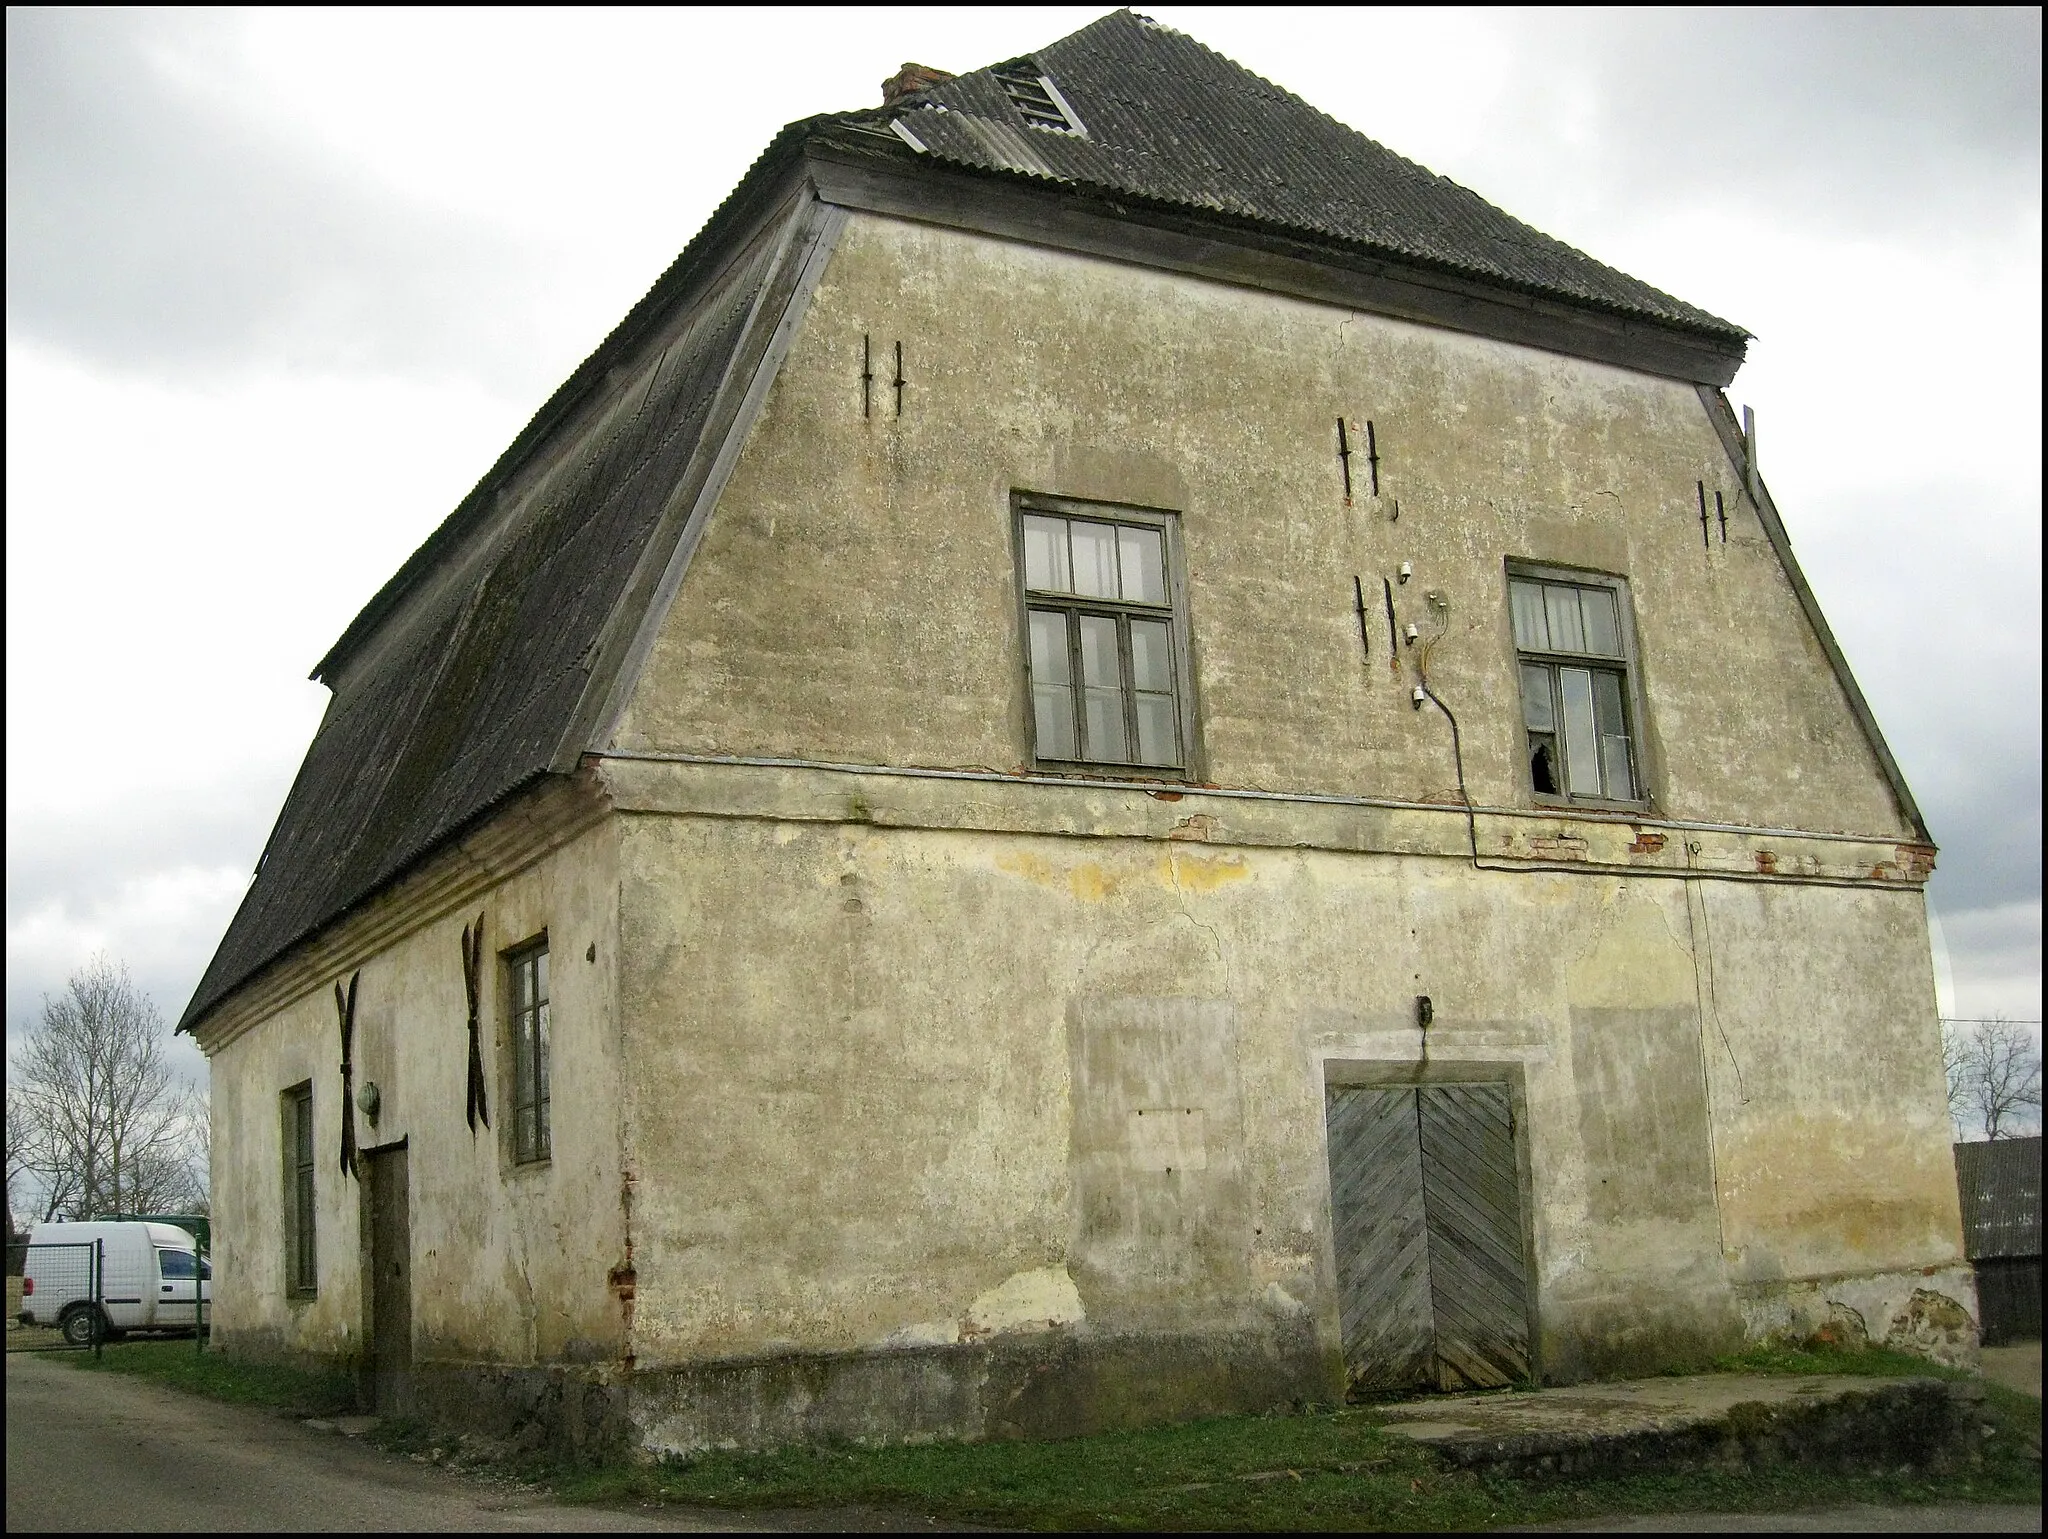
(1170,120)
(2000,1185)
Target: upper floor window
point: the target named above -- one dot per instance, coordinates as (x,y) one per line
(528,995)
(1572,645)
(1106,641)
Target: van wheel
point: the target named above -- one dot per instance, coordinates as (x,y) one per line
(80,1325)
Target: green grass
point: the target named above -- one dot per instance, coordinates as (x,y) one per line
(1815,1357)
(177,1365)
(1332,1470)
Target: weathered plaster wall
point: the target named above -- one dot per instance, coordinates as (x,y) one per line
(897,1035)
(902,1071)
(853,598)
(510,1262)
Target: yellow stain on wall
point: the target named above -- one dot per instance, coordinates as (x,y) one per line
(1027,864)
(1203,873)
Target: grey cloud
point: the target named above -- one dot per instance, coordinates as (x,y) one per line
(80,870)
(1950,660)
(1889,121)
(148,228)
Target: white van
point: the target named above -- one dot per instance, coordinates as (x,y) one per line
(149,1276)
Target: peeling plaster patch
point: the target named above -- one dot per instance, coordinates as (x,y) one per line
(929,1334)
(1041,1300)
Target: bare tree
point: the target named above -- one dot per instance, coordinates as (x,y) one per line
(103,1124)
(1994,1078)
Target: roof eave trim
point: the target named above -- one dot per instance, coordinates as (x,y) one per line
(1096,222)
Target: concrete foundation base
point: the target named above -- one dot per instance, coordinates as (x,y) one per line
(1054,1384)
(1737,1421)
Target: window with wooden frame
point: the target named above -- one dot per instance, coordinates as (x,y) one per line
(527,997)
(1574,647)
(1105,636)
(301,1252)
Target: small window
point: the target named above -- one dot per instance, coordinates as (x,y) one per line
(528,994)
(1104,645)
(1571,643)
(174,1264)
(301,1253)
(1037,98)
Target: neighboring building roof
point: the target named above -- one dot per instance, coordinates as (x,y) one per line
(1163,118)
(462,681)
(2000,1185)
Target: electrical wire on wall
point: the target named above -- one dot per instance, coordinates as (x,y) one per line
(1424,690)
(1440,607)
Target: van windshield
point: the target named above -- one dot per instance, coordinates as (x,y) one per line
(177,1263)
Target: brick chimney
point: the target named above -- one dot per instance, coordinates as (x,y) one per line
(909,80)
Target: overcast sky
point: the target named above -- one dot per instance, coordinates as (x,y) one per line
(280,286)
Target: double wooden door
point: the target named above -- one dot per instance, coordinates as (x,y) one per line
(1427,1213)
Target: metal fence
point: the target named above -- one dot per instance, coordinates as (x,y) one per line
(61,1307)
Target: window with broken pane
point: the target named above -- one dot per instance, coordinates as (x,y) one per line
(1104,645)
(1576,703)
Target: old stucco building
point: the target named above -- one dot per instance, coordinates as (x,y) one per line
(1119,756)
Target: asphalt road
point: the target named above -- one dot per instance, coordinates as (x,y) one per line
(90,1452)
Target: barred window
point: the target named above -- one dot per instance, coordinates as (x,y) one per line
(1572,649)
(1105,642)
(528,966)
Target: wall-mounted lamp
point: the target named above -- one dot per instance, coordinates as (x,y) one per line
(369,1101)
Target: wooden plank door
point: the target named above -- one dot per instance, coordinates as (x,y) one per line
(387,1227)
(1427,1218)
(1472,1198)
(1381,1238)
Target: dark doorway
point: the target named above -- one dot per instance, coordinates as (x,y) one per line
(387,1291)
(1427,1213)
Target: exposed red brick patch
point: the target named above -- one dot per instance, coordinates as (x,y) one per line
(1766,861)
(1648,842)
(1916,861)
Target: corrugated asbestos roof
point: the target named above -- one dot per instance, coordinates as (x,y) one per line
(2000,1185)
(468,701)
(454,692)
(1165,119)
